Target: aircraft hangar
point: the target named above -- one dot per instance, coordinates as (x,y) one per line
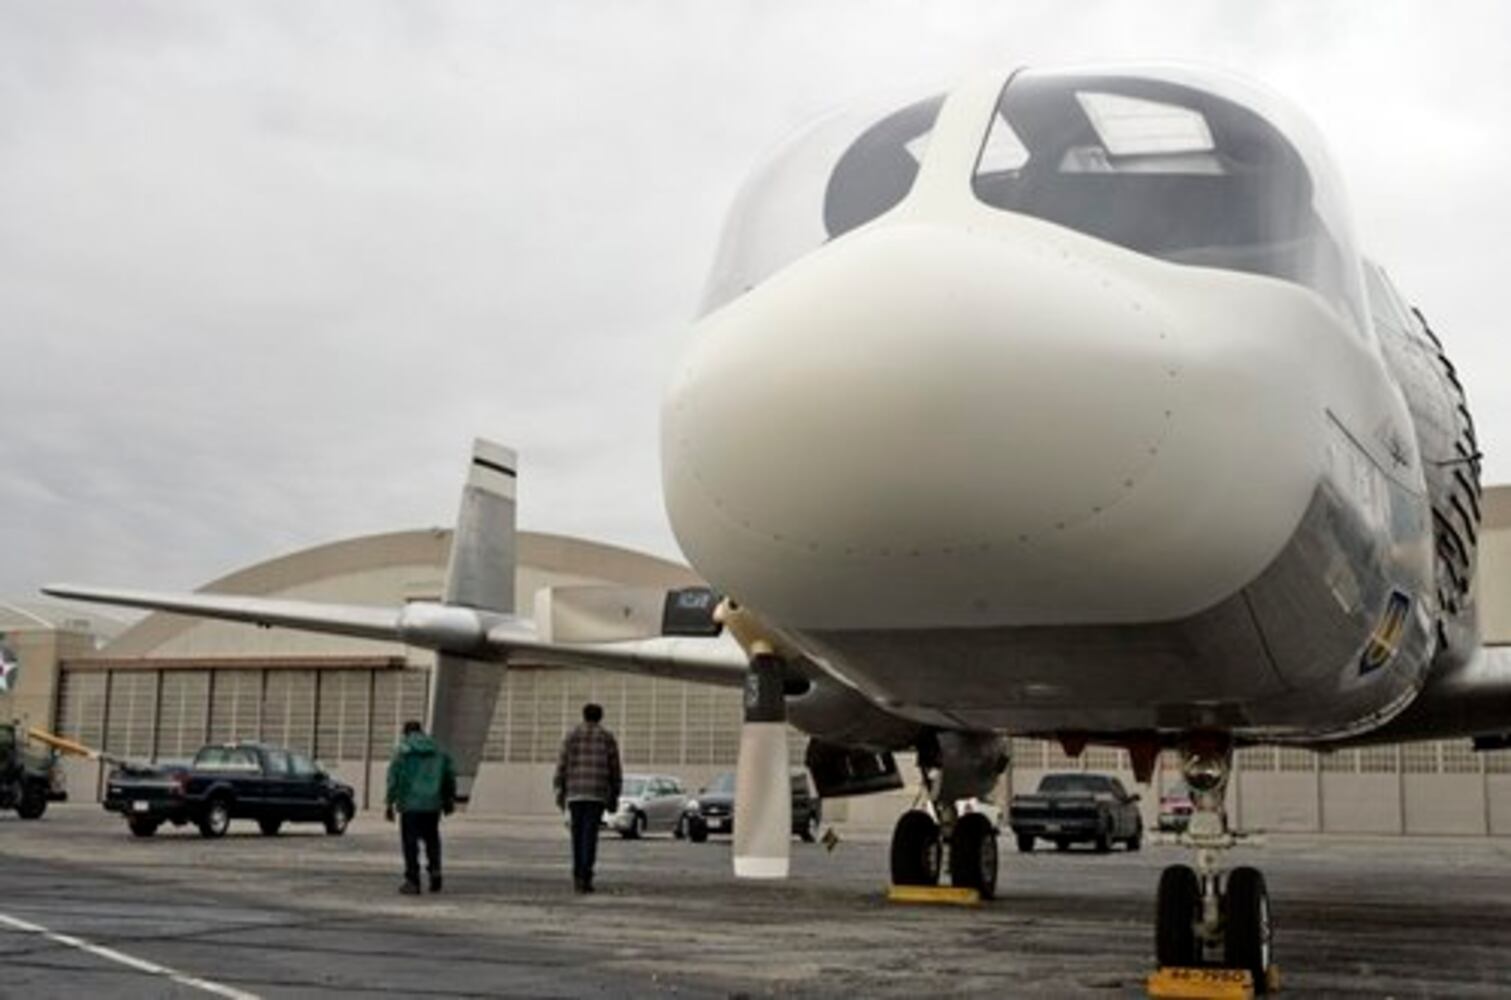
(163,686)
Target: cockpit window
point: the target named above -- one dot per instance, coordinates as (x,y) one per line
(1168,135)
(838,175)
(1172,169)
(878,170)
(1385,305)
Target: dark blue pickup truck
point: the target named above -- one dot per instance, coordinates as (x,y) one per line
(1077,807)
(231,781)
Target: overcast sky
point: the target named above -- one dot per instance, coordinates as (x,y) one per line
(267,268)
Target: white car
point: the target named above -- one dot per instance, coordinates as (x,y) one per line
(648,803)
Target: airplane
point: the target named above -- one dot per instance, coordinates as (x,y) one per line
(1061,405)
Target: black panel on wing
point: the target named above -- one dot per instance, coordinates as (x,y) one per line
(690,612)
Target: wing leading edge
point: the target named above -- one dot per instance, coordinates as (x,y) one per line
(479,635)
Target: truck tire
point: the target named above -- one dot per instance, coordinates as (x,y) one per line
(216,818)
(338,818)
(141,826)
(697,829)
(33,801)
(269,827)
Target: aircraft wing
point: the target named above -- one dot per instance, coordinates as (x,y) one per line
(716,660)
(362,621)
(477,635)
(476,629)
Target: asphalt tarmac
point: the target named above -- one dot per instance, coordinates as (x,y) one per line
(87,910)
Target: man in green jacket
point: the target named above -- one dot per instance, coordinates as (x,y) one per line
(421,786)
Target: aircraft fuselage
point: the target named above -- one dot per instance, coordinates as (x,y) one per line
(1000,465)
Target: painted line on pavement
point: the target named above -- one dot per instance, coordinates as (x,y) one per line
(140,964)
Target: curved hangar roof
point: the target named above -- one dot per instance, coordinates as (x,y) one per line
(32,615)
(384,569)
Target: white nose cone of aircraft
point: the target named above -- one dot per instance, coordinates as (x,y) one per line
(1025,354)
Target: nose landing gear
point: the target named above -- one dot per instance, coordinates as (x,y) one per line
(1203,915)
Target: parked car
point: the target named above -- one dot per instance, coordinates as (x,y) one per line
(1077,807)
(231,781)
(713,809)
(648,803)
(1175,808)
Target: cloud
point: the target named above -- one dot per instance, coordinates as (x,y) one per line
(269,267)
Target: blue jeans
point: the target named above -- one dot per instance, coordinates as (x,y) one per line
(585,819)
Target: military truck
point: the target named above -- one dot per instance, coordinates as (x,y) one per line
(29,778)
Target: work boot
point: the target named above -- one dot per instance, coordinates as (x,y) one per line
(409,888)
(435,881)
(578,885)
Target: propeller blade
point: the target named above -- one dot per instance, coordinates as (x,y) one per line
(763,788)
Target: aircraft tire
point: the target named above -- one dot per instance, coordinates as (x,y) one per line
(1247,941)
(916,849)
(973,855)
(1176,910)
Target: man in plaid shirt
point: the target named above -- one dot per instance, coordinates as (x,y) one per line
(587,780)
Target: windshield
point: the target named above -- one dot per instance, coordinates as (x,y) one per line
(841,173)
(1073,783)
(633,788)
(723,783)
(1198,171)
(226,759)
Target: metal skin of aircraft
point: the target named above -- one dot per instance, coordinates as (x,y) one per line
(1058,405)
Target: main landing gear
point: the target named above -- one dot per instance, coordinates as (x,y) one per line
(1205,916)
(919,840)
